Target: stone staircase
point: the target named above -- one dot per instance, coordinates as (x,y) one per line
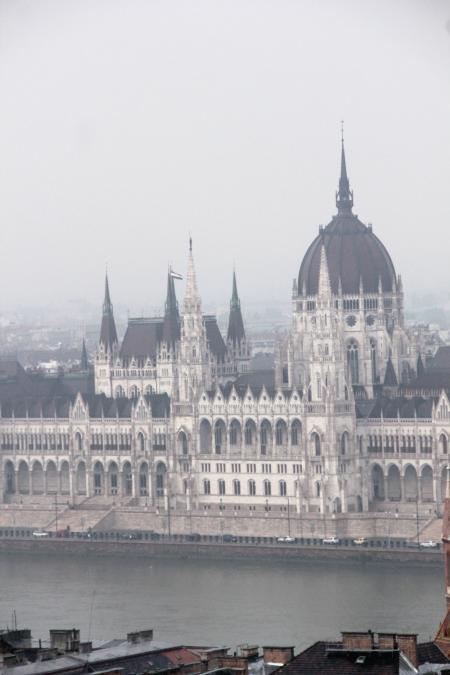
(432,530)
(78,520)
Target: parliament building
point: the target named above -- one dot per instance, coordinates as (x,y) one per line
(173,415)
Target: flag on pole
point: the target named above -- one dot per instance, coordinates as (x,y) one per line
(175,275)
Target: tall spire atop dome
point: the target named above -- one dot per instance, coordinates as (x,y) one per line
(344,196)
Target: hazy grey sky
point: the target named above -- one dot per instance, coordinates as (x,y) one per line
(127,124)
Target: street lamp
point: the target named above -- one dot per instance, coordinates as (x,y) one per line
(289,517)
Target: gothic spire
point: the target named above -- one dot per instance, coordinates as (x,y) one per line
(236,331)
(420,366)
(84,361)
(108,333)
(344,196)
(324,285)
(390,377)
(192,302)
(171,327)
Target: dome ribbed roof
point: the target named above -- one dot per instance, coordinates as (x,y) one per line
(354,253)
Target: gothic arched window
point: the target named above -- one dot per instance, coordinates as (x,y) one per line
(352,361)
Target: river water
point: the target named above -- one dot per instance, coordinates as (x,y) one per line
(217,602)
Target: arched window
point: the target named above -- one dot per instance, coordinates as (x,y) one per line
(206,487)
(234,432)
(283,489)
(251,488)
(236,488)
(160,478)
(315,439)
(267,488)
(296,430)
(183,443)
(221,484)
(280,432)
(317,489)
(344,443)
(353,361)
(141,442)
(78,441)
(120,392)
(219,435)
(134,391)
(443,444)
(373,359)
(249,432)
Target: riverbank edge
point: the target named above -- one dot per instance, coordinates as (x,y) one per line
(218,551)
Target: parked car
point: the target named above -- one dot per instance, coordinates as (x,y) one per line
(40,534)
(193,537)
(286,540)
(229,538)
(360,541)
(428,544)
(330,540)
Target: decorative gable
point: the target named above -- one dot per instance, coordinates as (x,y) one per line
(79,410)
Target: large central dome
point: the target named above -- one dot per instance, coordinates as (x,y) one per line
(354,253)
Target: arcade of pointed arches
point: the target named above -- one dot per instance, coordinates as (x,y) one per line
(407,483)
(217,437)
(106,478)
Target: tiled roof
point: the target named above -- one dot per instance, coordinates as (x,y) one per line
(99,406)
(141,338)
(318,659)
(257,379)
(441,360)
(392,408)
(214,337)
(429,652)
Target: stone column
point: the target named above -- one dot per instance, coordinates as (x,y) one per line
(71,484)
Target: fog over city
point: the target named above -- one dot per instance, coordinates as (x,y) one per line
(126,126)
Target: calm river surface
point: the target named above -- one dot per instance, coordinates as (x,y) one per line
(210,602)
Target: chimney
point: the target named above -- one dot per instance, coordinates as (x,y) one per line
(408,645)
(65,639)
(387,641)
(281,655)
(140,636)
(85,647)
(249,651)
(355,640)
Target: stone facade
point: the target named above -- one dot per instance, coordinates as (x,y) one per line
(177,417)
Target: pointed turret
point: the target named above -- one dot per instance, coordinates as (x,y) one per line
(192,302)
(344,196)
(236,332)
(171,326)
(390,378)
(324,285)
(420,366)
(108,333)
(84,361)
